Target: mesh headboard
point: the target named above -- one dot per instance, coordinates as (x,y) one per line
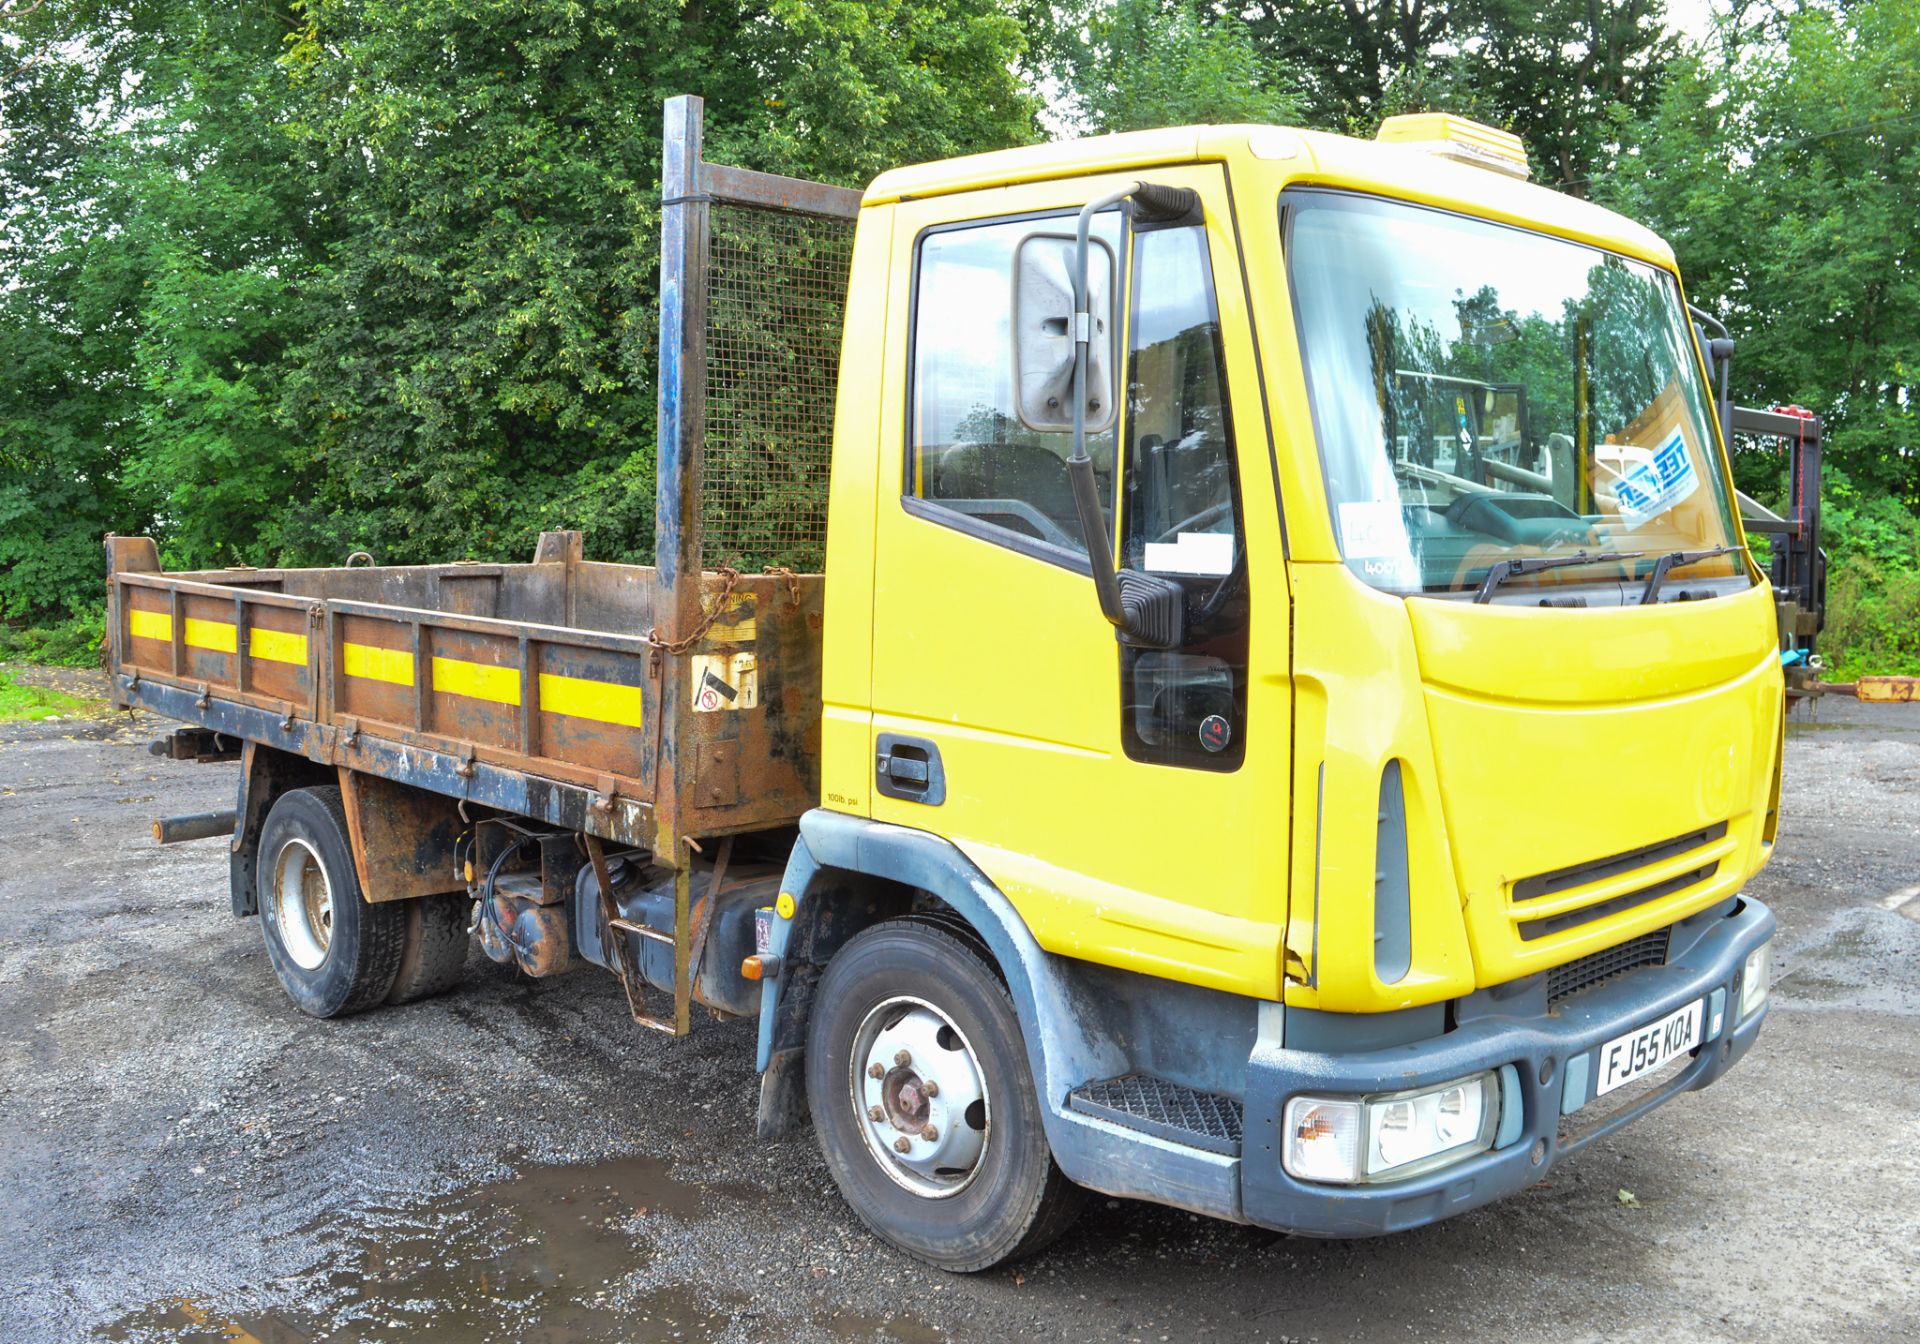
(776,288)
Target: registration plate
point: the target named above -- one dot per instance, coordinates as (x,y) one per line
(1640,1052)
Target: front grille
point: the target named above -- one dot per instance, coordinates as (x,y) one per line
(1596,870)
(1586,914)
(1597,968)
(1600,870)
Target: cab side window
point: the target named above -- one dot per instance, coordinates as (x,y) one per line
(1181,511)
(971,463)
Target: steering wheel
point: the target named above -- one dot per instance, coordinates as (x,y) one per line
(1196,522)
(1574,532)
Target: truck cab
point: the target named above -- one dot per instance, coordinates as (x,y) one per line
(1438,799)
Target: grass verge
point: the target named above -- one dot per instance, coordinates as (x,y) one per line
(35,704)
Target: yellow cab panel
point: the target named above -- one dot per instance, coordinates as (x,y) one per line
(1130,803)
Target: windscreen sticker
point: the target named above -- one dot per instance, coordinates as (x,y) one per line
(1371,527)
(1654,486)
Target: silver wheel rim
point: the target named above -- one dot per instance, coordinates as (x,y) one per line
(918,1097)
(302,904)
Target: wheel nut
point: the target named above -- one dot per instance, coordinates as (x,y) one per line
(875,1113)
(903,1059)
(930,1133)
(902,1144)
(929,1088)
(876,1071)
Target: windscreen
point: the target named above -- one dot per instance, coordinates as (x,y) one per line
(1482,393)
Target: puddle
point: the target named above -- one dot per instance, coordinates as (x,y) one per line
(1801,727)
(1876,725)
(850,1325)
(538,1258)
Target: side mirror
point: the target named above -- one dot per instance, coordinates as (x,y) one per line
(1043,335)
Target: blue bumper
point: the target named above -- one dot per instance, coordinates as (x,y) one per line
(1547,1064)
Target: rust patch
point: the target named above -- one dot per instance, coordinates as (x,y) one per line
(403,838)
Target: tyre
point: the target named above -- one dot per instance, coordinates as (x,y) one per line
(334,953)
(918,1082)
(434,959)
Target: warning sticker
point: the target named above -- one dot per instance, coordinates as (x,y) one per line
(1652,487)
(736,624)
(725,681)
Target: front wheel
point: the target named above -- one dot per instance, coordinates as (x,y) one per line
(918,1082)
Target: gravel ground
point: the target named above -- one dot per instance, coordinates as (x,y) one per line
(189,1158)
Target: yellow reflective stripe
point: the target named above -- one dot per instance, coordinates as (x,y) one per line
(580,698)
(277,646)
(372,663)
(216,635)
(150,625)
(481,681)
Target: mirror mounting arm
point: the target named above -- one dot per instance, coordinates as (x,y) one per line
(1147,610)
(1719,353)
(1086,491)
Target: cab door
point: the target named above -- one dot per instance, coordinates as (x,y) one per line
(1131,803)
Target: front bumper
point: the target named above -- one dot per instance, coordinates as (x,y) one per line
(1546,1063)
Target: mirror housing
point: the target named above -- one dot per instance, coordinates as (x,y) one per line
(1043,333)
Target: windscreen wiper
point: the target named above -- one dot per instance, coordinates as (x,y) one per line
(1502,570)
(1673,560)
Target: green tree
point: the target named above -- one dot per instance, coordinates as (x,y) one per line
(492,176)
(1557,72)
(1350,52)
(281,280)
(1138,64)
(1787,176)
(1563,73)
(66,385)
(151,261)
(221,224)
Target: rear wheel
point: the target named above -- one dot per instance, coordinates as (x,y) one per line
(918,1082)
(334,953)
(435,957)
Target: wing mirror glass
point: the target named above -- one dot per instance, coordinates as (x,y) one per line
(1043,334)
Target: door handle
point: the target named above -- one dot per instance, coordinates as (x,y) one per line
(909,768)
(906,771)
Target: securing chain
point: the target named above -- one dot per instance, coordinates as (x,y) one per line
(793,581)
(676,647)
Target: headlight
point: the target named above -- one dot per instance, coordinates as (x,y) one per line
(1756,980)
(1350,1140)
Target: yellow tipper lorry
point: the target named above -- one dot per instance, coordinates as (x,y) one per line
(1253,697)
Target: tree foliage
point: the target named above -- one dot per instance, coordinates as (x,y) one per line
(1555,71)
(1131,65)
(286,282)
(1787,176)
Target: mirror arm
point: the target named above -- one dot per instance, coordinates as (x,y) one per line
(1086,490)
(1720,352)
